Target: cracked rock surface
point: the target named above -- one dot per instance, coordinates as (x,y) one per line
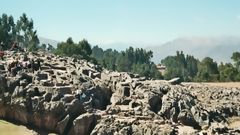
(70,96)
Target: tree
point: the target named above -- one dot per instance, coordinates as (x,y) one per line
(22,32)
(33,41)
(43,47)
(70,41)
(50,47)
(109,59)
(181,66)
(97,52)
(131,60)
(227,72)
(26,34)
(207,70)
(236,59)
(192,68)
(82,50)
(85,47)
(7,31)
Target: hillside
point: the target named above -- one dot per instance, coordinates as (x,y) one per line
(218,48)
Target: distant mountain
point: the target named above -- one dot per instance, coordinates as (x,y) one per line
(48,41)
(119,46)
(218,48)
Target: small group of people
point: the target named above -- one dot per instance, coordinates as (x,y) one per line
(18,65)
(15,47)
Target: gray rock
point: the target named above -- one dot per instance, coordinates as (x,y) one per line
(2,67)
(42,76)
(61,126)
(62,90)
(82,124)
(174,81)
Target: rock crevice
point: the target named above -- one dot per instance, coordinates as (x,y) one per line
(70,96)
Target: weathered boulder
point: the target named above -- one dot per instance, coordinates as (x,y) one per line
(41,76)
(2,67)
(62,90)
(68,96)
(84,124)
(61,125)
(175,81)
(3,84)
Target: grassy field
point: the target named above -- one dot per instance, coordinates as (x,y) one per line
(7,128)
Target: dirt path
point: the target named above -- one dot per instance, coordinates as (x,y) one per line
(225,84)
(218,84)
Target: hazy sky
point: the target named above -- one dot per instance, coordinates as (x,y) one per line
(128,21)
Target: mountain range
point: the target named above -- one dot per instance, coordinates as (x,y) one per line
(219,48)
(47,41)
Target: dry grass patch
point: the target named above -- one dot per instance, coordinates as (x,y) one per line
(7,128)
(234,122)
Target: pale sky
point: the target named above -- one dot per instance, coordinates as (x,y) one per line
(128,21)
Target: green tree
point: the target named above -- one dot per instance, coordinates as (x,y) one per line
(85,47)
(26,34)
(137,61)
(33,41)
(181,66)
(7,31)
(236,59)
(22,32)
(207,70)
(50,48)
(97,52)
(43,47)
(82,50)
(227,72)
(70,41)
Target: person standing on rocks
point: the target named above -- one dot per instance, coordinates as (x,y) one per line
(1,52)
(14,46)
(39,64)
(1,46)
(80,96)
(32,65)
(2,55)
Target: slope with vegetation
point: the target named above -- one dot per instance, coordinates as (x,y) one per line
(131,60)
(189,68)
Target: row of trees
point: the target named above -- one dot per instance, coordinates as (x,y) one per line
(189,68)
(81,50)
(138,61)
(21,31)
(131,60)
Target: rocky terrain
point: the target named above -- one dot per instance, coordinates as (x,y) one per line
(74,97)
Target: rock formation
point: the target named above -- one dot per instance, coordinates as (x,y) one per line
(69,96)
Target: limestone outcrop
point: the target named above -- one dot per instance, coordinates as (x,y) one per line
(70,96)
